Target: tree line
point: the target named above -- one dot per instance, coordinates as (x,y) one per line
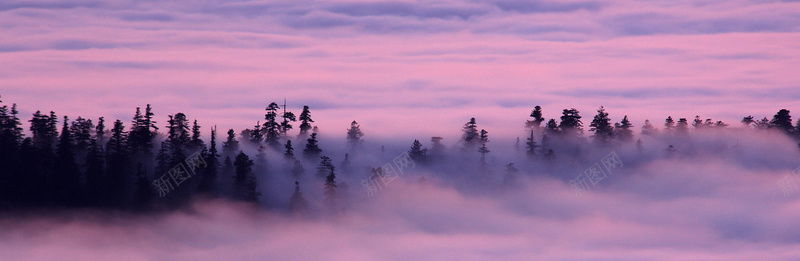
(82,163)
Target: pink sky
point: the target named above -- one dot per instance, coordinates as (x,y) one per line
(427,65)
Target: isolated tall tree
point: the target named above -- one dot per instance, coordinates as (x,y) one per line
(537,119)
(68,177)
(271,129)
(623,129)
(305,118)
(571,122)
(782,121)
(245,186)
(312,149)
(354,134)
(601,125)
(470,136)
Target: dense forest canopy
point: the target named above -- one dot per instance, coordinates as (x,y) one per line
(141,165)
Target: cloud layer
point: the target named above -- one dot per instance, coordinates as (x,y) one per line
(382,62)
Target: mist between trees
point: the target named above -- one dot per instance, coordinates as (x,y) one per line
(310,171)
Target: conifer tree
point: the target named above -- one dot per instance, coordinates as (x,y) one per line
(100,132)
(298,205)
(230,145)
(417,153)
(271,129)
(682,127)
(669,125)
(68,177)
(648,129)
(782,121)
(601,125)
(245,185)
(623,129)
(195,143)
(330,195)
(305,118)
(571,122)
(208,182)
(531,145)
(536,123)
(354,134)
(312,149)
(288,118)
(289,154)
(325,167)
(470,136)
(118,165)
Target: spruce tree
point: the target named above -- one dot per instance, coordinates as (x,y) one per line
(312,149)
(118,166)
(682,127)
(288,118)
(536,123)
(230,145)
(782,121)
(648,129)
(245,185)
(571,122)
(354,134)
(195,144)
(623,129)
(601,125)
(470,134)
(68,176)
(531,145)
(325,167)
(271,129)
(208,182)
(669,125)
(330,196)
(305,118)
(100,132)
(289,154)
(417,153)
(298,205)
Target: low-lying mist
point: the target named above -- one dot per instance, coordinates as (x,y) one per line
(715,195)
